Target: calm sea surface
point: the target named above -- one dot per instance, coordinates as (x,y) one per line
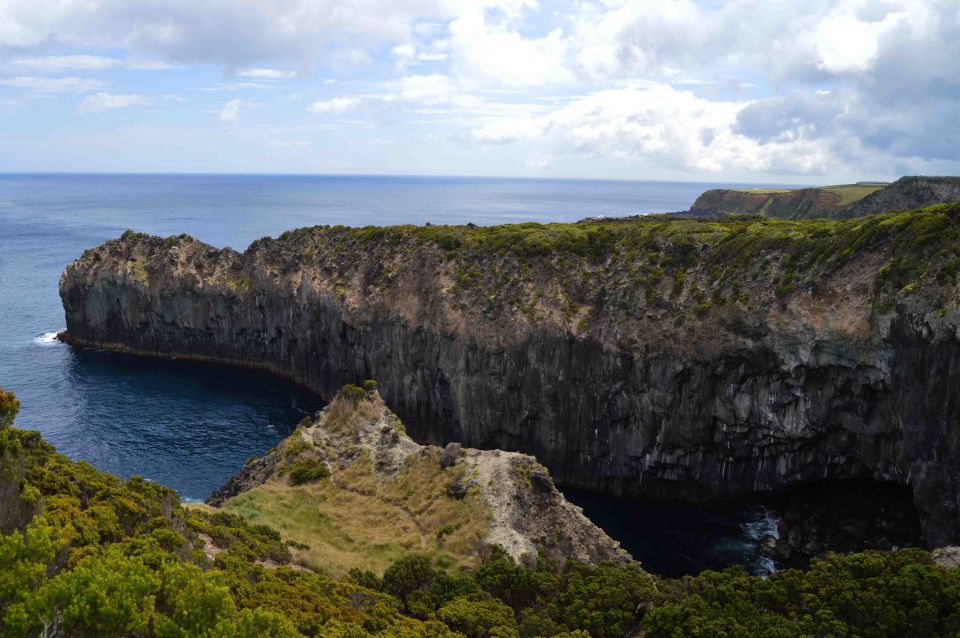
(191,426)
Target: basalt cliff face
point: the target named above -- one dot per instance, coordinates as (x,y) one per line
(672,358)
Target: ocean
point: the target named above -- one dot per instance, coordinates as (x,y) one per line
(191,426)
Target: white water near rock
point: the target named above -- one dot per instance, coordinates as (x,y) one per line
(48,338)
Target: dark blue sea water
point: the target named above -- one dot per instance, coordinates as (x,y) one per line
(188,425)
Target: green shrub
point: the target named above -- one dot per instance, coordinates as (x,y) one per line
(308,471)
(9,406)
(352,393)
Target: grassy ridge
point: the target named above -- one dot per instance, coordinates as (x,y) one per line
(635,262)
(612,268)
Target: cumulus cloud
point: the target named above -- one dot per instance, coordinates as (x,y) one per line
(100,102)
(493,53)
(787,87)
(660,125)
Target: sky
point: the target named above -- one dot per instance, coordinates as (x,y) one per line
(763,91)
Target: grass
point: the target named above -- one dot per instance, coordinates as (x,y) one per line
(342,530)
(853,192)
(356,519)
(848,193)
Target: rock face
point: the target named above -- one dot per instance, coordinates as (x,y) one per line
(364,446)
(907,193)
(669,358)
(948,557)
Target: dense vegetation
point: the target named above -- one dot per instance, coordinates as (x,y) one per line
(86,554)
(592,276)
(713,260)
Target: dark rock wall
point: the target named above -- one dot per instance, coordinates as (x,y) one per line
(786,406)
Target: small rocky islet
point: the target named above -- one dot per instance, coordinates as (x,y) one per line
(704,356)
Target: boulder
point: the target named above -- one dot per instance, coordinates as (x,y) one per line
(450,454)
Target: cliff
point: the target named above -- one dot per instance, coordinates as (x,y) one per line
(834,202)
(800,203)
(907,193)
(663,357)
(354,468)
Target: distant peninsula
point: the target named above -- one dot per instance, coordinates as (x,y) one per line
(834,202)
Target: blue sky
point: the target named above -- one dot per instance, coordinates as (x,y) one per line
(788,91)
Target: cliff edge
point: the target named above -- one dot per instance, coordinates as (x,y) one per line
(661,357)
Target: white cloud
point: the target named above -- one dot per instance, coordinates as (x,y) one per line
(234,33)
(411,91)
(847,44)
(267,74)
(58,63)
(230,112)
(335,105)
(236,86)
(657,126)
(49,86)
(100,102)
(493,53)
(431,90)
(405,53)
(832,81)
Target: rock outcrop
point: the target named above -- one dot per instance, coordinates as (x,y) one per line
(907,193)
(670,358)
(362,447)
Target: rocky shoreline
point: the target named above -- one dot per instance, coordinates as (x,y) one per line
(840,517)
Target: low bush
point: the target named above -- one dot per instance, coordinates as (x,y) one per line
(308,471)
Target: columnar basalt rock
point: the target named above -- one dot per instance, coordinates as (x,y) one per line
(671,358)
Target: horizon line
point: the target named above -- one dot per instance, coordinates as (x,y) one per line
(404,176)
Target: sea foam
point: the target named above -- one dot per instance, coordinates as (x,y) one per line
(47,338)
